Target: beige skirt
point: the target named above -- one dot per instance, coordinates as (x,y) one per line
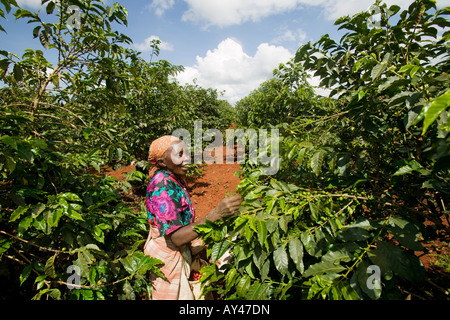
(176,268)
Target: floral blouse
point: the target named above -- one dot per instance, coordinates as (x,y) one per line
(169,206)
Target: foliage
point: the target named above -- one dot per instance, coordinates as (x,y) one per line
(284,98)
(63,120)
(357,179)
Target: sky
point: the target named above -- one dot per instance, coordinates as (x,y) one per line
(229,45)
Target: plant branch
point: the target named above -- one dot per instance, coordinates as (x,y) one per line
(33,244)
(93,287)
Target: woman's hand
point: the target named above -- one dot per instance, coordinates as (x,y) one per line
(226,207)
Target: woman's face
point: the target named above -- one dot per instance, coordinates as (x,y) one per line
(177,159)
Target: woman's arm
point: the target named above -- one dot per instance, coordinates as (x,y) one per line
(226,207)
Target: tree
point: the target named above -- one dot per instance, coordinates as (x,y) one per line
(65,232)
(282,99)
(344,215)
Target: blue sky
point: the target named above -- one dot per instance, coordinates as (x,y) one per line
(228,45)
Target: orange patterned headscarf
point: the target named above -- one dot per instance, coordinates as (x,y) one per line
(157,149)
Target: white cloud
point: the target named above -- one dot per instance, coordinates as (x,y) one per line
(228,68)
(34,4)
(334,9)
(287,35)
(145,46)
(443,3)
(232,12)
(37,4)
(160,6)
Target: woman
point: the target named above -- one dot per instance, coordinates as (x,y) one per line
(172,218)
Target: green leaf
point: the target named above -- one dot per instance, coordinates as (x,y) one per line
(353,234)
(280,259)
(243,286)
(138,262)
(109,11)
(230,278)
(296,253)
(74,214)
(358,231)
(50,7)
(393,10)
(18,72)
(44,38)
(49,268)
(314,211)
(259,256)
(18,212)
(53,216)
(258,291)
(4,64)
(119,154)
(262,231)
(391,258)
(24,224)
(265,270)
(310,244)
(248,232)
(270,205)
(25,274)
(378,70)
(5,244)
(98,234)
(347,291)
(359,282)
(10,163)
(40,224)
(52,293)
(22,13)
(434,109)
(283,223)
(202,229)
(323,267)
(70,196)
(316,162)
(403,170)
(10,141)
(36,31)
(219,249)
(411,166)
(129,291)
(337,255)
(405,232)
(24,151)
(37,210)
(302,52)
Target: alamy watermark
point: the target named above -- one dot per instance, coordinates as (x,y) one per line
(373,281)
(263,149)
(74,20)
(374,21)
(74,280)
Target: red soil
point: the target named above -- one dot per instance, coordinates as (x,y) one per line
(217,181)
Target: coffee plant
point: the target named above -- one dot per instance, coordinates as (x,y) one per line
(65,231)
(360,173)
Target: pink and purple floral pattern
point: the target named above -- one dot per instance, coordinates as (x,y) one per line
(169,206)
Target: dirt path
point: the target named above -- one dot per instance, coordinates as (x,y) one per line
(216,182)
